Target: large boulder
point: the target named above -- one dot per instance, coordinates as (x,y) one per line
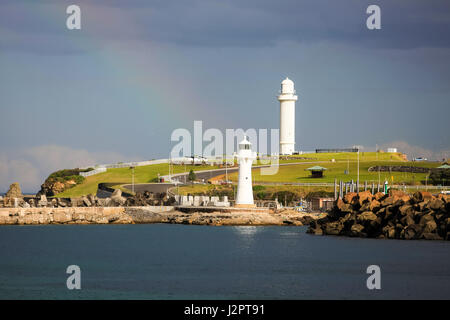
(379,196)
(406,210)
(117,199)
(412,231)
(42,201)
(364,196)
(420,196)
(389,231)
(357,230)
(86,201)
(14,191)
(437,204)
(430,227)
(387,201)
(367,216)
(333,228)
(350,197)
(399,197)
(425,219)
(431,236)
(374,206)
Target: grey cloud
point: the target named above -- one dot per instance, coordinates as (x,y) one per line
(251,23)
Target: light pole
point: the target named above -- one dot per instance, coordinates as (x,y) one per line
(357,180)
(226,169)
(132,178)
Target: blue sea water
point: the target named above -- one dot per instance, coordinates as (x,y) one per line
(157,261)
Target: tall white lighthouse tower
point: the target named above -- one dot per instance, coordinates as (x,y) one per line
(244,197)
(287,100)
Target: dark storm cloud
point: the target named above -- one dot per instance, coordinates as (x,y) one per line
(232,23)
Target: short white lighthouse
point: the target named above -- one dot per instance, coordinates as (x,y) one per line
(287,100)
(245,157)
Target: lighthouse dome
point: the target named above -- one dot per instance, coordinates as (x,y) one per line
(287,86)
(245,144)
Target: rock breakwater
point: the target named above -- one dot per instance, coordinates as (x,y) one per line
(394,216)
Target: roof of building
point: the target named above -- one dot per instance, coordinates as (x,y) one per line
(444,166)
(316,168)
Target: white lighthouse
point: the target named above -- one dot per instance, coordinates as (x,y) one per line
(244,197)
(287,100)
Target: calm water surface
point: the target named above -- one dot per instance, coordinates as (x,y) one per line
(159,261)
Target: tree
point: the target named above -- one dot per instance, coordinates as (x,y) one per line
(440,176)
(191,176)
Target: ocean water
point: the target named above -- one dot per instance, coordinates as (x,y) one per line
(158,261)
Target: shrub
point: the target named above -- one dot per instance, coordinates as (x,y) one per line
(258,188)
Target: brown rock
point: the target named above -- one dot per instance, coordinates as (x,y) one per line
(387,201)
(431,236)
(420,196)
(367,216)
(339,203)
(437,204)
(425,219)
(14,191)
(356,230)
(412,232)
(364,197)
(444,197)
(349,197)
(333,228)
(430,227)
(406,210)
(379,195)
(374,205)
(423,205)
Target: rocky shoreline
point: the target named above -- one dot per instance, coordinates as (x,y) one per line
(148,214)
(393,216)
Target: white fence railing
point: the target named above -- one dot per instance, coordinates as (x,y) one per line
(92,172)
(103,167)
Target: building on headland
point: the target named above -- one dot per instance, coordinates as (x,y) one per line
(336,150)
(245,156)
(322,204)
(392,150)
(287,100)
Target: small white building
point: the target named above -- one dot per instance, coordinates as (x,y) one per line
(287,100)
(392,150)
(244,197)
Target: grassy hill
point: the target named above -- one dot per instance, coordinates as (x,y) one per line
(142,174)
(336,170)
(342,162)
(294,173)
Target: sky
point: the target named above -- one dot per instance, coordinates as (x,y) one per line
(139,69)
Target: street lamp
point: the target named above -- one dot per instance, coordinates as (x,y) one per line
(357,179)
(132,178)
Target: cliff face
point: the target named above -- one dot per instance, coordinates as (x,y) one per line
(394,216)
(61,180)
